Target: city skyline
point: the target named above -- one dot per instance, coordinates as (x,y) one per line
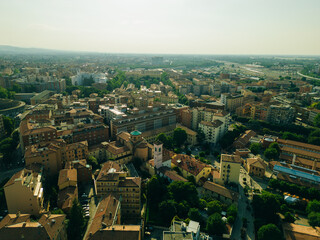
(167,27)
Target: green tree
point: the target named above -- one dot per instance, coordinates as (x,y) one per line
(182,209)
(16,88)
(288,217)
(76,222)
(271,153)
(269,231)
(276,146)
(167,210)
(266,206)
(179,136)
(313,206)
(214,207)
(195,215)
(93,162)
(314,219)
(200,136)
(8,125)
(231,219)
(156,190)
(166,141)
(202,203)
(316,120)
(255,148)
(232,210)
(187,191)
(215,225)
(191,179)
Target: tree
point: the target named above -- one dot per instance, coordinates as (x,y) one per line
(232,210)
(93,162)
(288,217)
(276,146)
(191,179)
(255,148)
(195,215)
(182,209)
(201,136)
(231,219)
(271,153)
(8,125)
(167,210)
(269,231)
(313,206)
(202,204)
(316,120)
(156,190)
(214,207)
(266,206)
(76,222)
(187,191)
(215,225)
(167,141)
(179,136)
(314,219)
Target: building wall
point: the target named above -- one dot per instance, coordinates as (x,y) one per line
(21,198)
(234,172)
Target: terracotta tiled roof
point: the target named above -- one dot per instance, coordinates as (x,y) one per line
(124,136)
(299,144)
(106,212)
(221,190)
(66,175)
(171,174)
(119,232)
(188,164)
(52,223)
(300,152)
(300,232)
(66,197)
(256,162)
(106,167)
(244,139)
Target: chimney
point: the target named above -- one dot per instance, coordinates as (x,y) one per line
(24,224)
(18,214)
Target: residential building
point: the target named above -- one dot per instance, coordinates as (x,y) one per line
(191,135)
(24,192)
(68,188)
(108,214)
(54,154)
(231,102)
(259,112)
(244,139)
(220,193)
(229,169)
(84,170)
(256,167)
(190,166)
(213,131)
(280,114)
(22,226)
(112,179)
(151,119)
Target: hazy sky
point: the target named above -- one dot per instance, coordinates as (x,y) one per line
(164,26)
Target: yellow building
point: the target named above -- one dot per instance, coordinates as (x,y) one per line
(191,135)
(22,226)
(256,167)
(112,179)
(229,169)
(190,166)
(24,192)
(54,154)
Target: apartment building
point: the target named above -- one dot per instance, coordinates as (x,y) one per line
(68,188)
(259,112)
(213,131)
(24,192)
(256,167)
(22,226)
(112,179)
(94,133)
(280,114)
(112,112)
(229,169)
(54,154)
(144,120)
(231,102)
(209,115)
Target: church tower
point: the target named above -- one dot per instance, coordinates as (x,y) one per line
(157,154)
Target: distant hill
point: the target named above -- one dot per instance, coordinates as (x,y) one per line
(5,49)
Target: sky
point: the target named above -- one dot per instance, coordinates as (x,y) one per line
(288,27)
